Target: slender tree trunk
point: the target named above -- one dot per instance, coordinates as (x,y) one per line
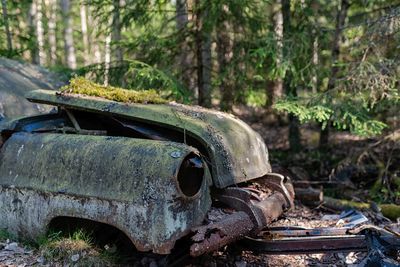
(225,55)
(40,33)
(240,71)
(186,56)
(95,47)
(340,22)
(69,47)
(294,131)
(315,62)
(315,52)
(203,54)
(275,87)
(107,60)
(52,22)
(32,32)
(116,31)
(7,26)
(85,36)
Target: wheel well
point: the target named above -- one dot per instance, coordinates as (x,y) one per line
(101,234)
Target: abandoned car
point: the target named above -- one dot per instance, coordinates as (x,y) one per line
(156,172)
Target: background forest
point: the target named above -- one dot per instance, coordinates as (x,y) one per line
(331,64)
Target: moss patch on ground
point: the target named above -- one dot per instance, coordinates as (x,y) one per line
(82,86)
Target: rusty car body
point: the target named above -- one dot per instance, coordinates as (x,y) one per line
(156,172)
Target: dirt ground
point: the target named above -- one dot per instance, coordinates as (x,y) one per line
(228,256)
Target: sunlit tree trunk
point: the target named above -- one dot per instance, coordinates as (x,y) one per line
(203,56)
(52,22)
(107,60)
(275,87)
(85,36)
(315,62)
(32,32)
(69,48)
(186,57)
(6,25)
(40,32)
(95,47)
(225,55)
(340,22)
(116,31)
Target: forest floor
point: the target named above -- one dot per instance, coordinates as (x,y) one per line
(308,164)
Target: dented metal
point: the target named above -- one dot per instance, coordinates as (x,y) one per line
(237,152)
(129,183)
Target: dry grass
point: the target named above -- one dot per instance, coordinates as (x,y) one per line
(75,250)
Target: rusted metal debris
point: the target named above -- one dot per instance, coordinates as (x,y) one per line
(257,208)
(354,235)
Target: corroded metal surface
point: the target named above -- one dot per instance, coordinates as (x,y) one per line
(129,183)
(215,235)
(236,152)
(254,210)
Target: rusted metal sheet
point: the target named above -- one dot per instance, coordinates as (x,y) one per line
(236,152)
(139,186)
(300,245)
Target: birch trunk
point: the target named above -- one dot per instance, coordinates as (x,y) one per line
(107,60)
(52,22)
(6,25)
(40,33)
(85,36)
(69,48)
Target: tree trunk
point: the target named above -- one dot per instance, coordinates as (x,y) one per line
(32,29)
(116,31)
(186,56)
(95,47)
(107,60)
(225,55)
(275,87)
(240,70)
(294,131)
(85,36)
(40,33)
(7,26)
(340,21)
(52,22)
(203,55)
(70,57)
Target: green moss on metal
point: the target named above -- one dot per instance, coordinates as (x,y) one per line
(82,86)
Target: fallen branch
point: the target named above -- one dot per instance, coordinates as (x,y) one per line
(391,211)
